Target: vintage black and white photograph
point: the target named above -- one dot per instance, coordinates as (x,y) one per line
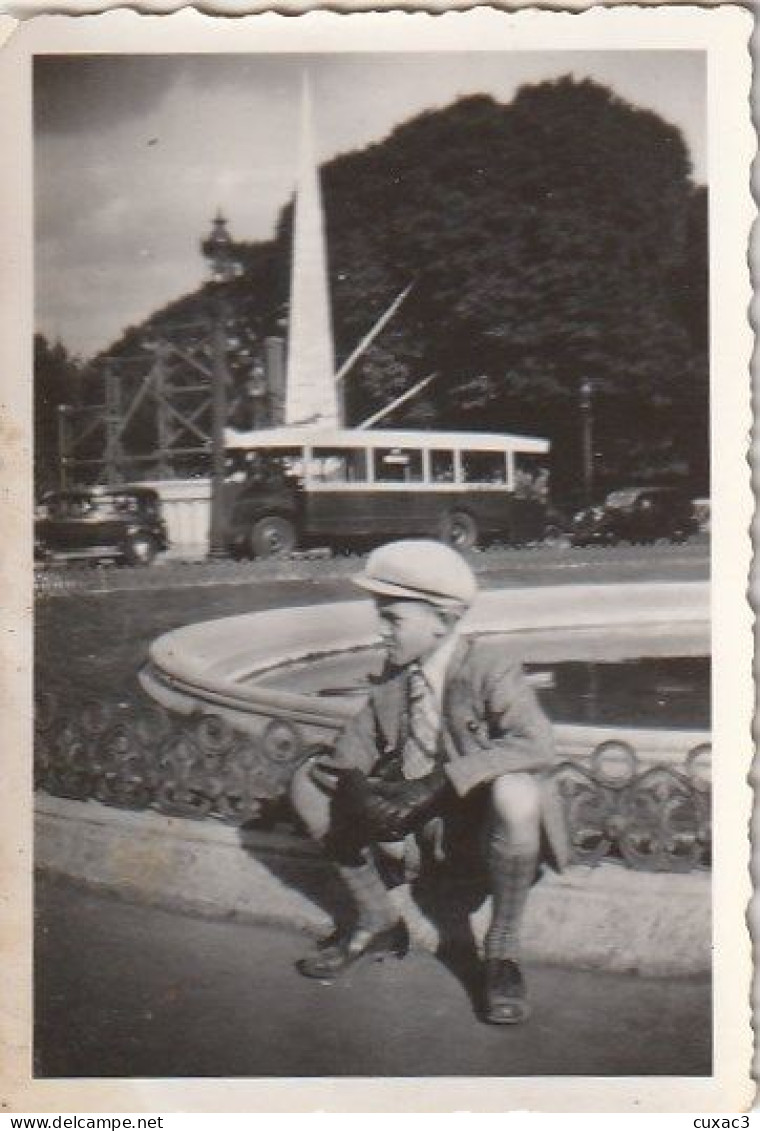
(375,536)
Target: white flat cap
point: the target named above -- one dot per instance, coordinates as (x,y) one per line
(419,569)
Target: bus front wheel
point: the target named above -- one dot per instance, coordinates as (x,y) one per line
(460,530)
(272,537)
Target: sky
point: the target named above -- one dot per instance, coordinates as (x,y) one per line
(135,153)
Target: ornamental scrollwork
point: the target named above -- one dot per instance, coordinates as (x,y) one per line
(135,755)
(654,818)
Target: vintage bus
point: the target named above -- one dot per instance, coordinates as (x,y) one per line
(294,487)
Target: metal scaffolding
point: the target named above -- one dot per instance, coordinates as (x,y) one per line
(154,419)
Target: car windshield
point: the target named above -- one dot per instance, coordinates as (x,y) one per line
(123,504)
(99,506)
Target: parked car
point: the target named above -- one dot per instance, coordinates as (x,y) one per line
(636,514)
(120,523)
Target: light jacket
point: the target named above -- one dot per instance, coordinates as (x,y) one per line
(492,724)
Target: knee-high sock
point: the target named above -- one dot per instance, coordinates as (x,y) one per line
(373,904)
(512,870)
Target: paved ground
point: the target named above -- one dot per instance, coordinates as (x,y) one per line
(130,991)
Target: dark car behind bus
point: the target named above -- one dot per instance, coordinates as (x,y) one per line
(121,524)
(636,514)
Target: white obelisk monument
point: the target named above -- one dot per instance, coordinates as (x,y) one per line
(310,389)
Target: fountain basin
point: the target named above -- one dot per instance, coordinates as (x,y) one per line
(228,667)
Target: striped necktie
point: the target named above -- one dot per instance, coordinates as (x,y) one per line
(421,746)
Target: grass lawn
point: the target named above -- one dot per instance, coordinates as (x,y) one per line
(98,642)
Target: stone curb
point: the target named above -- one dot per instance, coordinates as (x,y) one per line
(605,918)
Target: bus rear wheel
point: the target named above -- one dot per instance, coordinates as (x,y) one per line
(460,530)
(272,537)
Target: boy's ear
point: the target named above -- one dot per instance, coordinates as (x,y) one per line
(448,618)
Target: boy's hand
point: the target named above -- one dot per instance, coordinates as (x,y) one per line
(400,807)
(359,814)
(382,811)
(326,774)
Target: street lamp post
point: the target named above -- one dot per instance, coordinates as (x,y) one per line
(587,425)
(218,249)
(63,446)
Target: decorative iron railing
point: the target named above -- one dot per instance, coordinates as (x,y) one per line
(135,755)
(654,818)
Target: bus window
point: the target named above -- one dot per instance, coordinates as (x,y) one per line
(396,465)
(262,467)
(235,466)
(531,476)
(338,465)
(442,467)
(484,467)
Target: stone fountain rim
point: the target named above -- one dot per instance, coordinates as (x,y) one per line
(180,679)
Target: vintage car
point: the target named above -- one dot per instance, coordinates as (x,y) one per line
(123,524)
(636,514)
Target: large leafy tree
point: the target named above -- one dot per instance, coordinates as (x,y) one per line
(551,240)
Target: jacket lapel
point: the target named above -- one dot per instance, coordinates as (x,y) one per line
(458,658)
(452,691)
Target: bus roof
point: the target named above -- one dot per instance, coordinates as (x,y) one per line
(290,436)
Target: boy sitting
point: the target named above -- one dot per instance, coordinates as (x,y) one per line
(448,719)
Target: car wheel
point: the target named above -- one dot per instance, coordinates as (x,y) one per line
(460,530)
(141,550)
(272,537)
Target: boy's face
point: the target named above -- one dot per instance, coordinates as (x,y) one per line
(410,630)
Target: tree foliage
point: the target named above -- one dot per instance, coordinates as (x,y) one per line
(555,239)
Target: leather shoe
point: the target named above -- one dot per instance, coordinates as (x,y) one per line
(342,952)
(505,994)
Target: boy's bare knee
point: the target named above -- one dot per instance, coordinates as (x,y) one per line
(516,798)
